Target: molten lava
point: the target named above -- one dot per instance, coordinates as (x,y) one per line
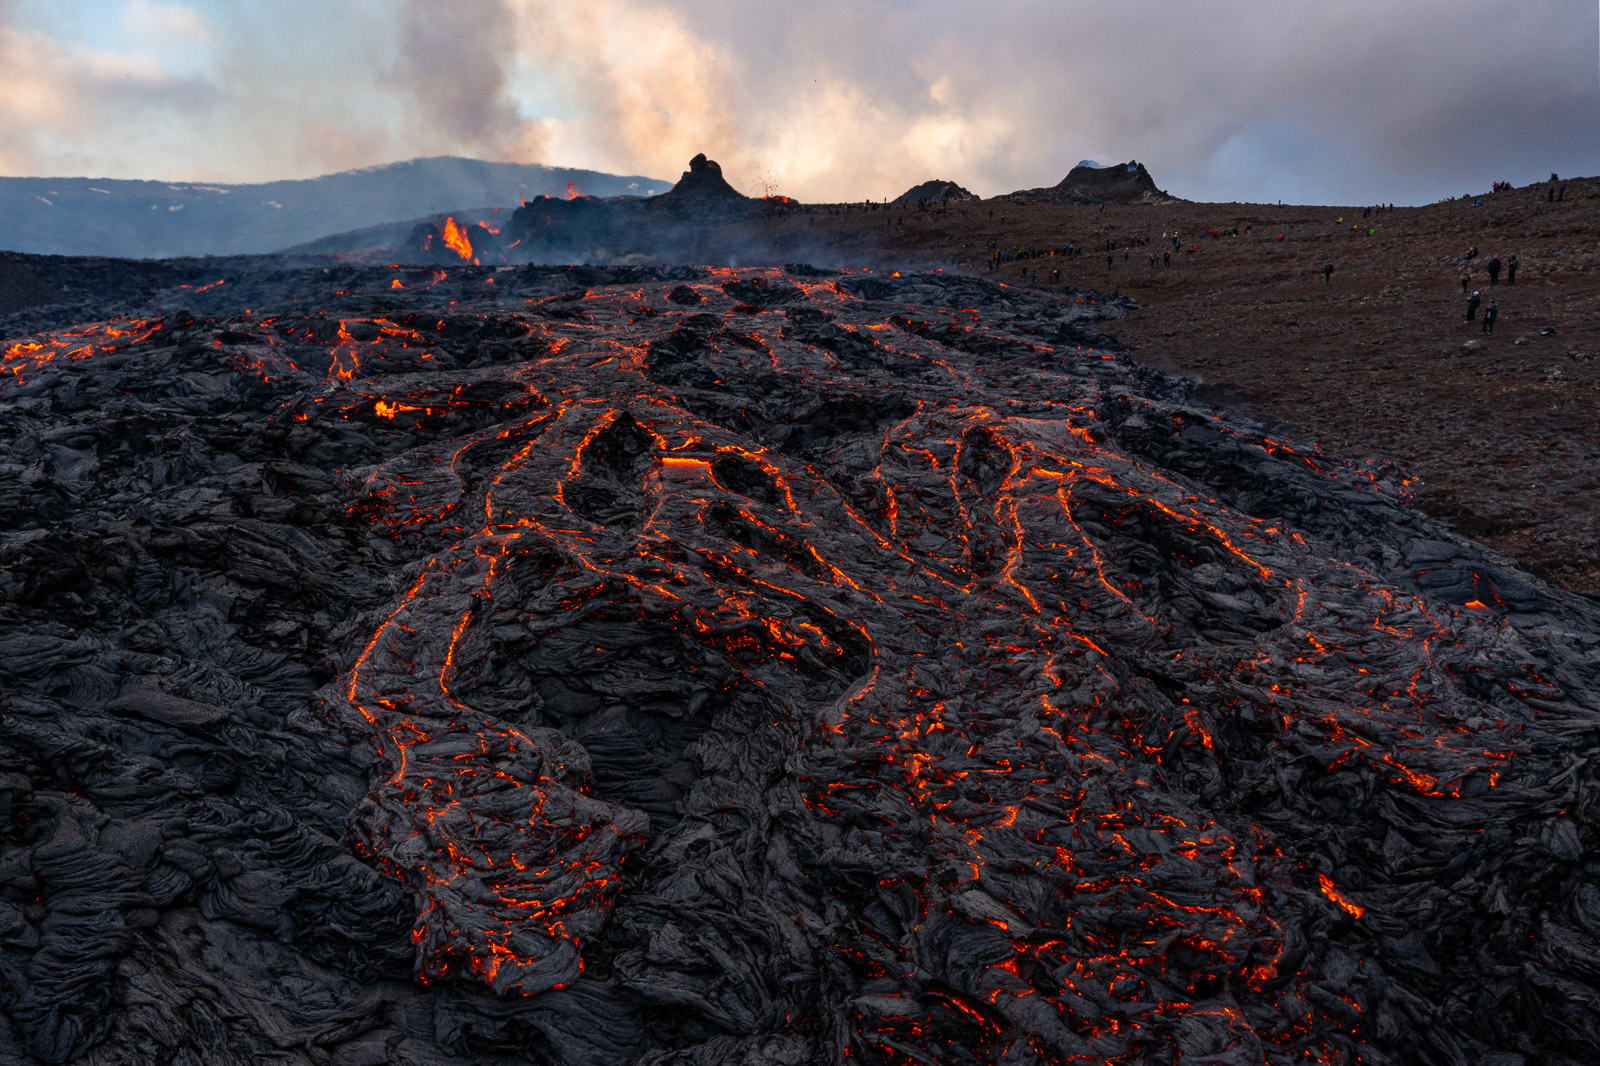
(455,238)
(1325,883)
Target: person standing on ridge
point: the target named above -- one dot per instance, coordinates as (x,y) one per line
(1327,274)
(1511,271)
(1490,313)
(1466,279)
(1494,271)
(1472,306)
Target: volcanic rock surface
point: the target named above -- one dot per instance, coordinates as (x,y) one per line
(1128,183)
(666,228)
(934,191)
(692,666)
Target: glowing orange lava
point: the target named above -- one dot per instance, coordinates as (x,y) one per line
(1344,902)
(455,238)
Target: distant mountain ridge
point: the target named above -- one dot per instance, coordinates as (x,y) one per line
(158,219)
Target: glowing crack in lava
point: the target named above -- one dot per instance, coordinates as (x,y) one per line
(842,667)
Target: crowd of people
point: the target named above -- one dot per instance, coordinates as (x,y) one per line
(1000,258)
(1047,264)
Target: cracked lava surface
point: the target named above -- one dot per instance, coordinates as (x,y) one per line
(711,666)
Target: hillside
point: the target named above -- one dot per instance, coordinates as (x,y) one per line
(934,191)
(1090,183)
(156,219)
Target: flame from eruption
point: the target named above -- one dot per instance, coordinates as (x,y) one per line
(455,238)
(572,190)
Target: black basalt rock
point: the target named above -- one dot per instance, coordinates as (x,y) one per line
(676,666)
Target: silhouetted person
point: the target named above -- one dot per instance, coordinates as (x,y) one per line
(1327,274)
(1166,259)
(1490,313)
(1108,262)
(1550,195)
(1466,279)
(1562,195)
(1472,306)
(1511,271)
(1494,271)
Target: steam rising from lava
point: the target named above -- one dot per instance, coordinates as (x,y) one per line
(794,666)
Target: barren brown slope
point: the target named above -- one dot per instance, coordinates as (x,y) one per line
(1502,439)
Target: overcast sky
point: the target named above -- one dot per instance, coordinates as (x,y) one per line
(1321,101)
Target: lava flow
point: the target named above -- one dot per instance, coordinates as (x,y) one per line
(793,666)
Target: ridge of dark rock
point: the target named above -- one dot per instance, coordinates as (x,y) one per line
(934,191)
(666,226)
(1124,183)
(703,180)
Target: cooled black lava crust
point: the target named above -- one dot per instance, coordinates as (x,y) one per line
(751,667)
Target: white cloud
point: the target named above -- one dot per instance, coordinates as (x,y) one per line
(845,99)
(154,21)
(649,94)
(1359,100)
(64,109)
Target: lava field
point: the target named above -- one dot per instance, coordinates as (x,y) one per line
(758,667)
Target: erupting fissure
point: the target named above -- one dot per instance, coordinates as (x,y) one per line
(455,238)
